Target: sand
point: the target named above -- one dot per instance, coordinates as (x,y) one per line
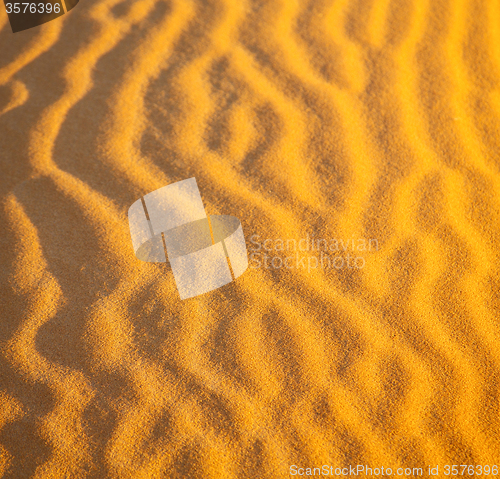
(346,120)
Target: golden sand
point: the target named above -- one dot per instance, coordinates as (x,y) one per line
(329,118)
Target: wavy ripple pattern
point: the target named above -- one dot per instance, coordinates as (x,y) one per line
(334,118)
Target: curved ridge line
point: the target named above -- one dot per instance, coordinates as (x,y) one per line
(189,134)
(442,340)
(334,17)
(12,410)
(49,34)
(61,426)
(461,89)
(156,392)
(20,95)
(363,170)
(126,121)
(271,296)
(77,74)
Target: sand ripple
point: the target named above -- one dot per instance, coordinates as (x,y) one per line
(338,119)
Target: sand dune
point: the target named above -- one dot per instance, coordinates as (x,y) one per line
(361,119)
